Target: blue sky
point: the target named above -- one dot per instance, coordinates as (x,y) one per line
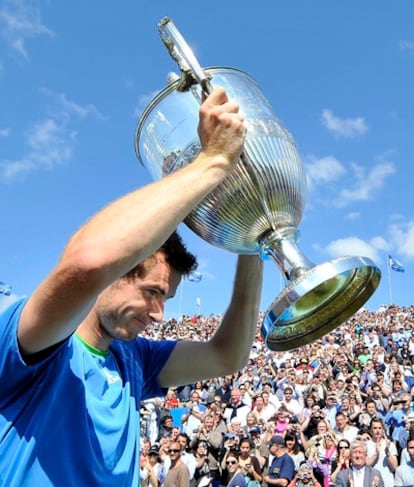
(75,77)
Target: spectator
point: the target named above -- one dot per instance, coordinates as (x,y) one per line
(385,458)
(343,428)
(294,449)
(359,474)
(236,408)
(304,477)
(404,474)
(282,468)
(249,463)
(232,473)
(193,414)
(342,461)
(187,456)
(177,474)
(202,473)
(151,470)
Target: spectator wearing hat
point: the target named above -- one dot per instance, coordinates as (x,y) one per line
(281,467)
(151,471)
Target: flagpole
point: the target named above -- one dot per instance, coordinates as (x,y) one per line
(181,299)
(389,277)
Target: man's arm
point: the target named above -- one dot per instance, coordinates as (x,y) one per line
(229,348)
(127,231)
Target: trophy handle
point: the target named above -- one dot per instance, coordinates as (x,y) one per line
(181,52)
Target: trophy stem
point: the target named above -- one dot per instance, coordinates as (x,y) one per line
(281,246)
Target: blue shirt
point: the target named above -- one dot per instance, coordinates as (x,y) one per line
(72,419)
(282,467)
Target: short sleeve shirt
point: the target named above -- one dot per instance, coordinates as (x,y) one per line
(73,418)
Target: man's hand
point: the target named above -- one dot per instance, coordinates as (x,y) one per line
(221,128)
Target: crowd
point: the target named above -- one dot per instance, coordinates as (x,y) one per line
(316,416)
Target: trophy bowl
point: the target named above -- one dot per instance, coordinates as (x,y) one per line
(258,207)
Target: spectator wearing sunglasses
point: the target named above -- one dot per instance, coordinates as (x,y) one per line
(178,474)
(232,473)
(342,460)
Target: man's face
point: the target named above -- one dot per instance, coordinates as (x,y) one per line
(358,457)
(410,449)
(128,306)
(377,430)
(235,397)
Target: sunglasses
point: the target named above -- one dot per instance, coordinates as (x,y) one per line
(231,462)
(343,447)
(173,450)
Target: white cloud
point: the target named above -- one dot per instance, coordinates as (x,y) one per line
(355,246)
(340,127)
(367,183)
(68,107)
(354,215)
(4,132)
(402,238)
(323,170)
(406,45)
(50,141)
(20,20)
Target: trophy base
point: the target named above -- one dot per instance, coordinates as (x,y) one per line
(318,301)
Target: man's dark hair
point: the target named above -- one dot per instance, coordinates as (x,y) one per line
(176,255)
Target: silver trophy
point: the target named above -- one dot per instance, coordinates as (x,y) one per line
(259,206)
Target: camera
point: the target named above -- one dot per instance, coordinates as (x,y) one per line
(230,436)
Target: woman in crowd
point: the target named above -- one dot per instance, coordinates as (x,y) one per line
(202,470)
(342,460)
(232,473)
(327,449)
(249,464)
(293,448)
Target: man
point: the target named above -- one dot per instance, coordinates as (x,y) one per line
(69,403)
(187,457)
(282,467)
(385,456)
(177,473)
(236,408)
(359,474)
(370,412)
(292,405)
(404,475)
(193,414)
(343,429)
